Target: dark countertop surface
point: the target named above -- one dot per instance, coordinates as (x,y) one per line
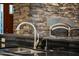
(8,52)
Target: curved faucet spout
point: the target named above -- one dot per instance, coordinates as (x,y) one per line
(18,28)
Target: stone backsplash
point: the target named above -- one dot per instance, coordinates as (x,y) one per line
(39,13)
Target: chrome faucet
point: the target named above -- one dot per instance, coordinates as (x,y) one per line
(35,33)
